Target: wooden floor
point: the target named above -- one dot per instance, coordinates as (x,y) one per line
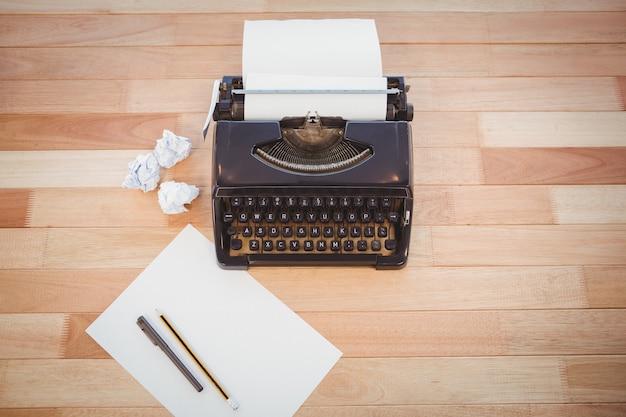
(514,299)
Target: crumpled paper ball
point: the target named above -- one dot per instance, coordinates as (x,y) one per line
(174,195)
(171,149)
(143,173)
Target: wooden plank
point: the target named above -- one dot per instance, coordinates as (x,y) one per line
(162,6)
(561,204)
(589,204)
(584,5)
(444,129)
(77,344)
(413,288)
(552,129)
(404,381)
(435,334)
(437,60)
(92,412)
(606,286)
(502,205)
(356,381)
(118,207)
(70,383)
(564,332)
(428,289)
(422,60)
(227,29)
(87,131)
(169,96)
(77,29)
(64,207)
(63,96)
(554,165)
(521,379)
(464,205)
(436,166)
(105,96)
(61,290)
(14,207)
(558,60)
(470,333)
(38,336)
(601,379)
(489,288)
(131,247)
(81,169)
(222,28)
(556,27)
(532,410)
(466,410)
(22,248)
(421,26)
(529,245)
(114,7)
(453,6)
(516,94)
(89,63)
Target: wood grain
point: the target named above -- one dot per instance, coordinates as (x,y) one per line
(468,410)
(514,296)
(61,290)
(553,129)
(529,245)
(14,207)
(483,205)
(68,383)
(554,166)
(462,333)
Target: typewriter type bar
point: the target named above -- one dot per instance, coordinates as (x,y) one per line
(312,190)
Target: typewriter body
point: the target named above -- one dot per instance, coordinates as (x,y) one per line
(310,189)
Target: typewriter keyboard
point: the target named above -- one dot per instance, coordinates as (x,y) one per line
(311,225)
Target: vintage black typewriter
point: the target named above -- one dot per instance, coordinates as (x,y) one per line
(312,190)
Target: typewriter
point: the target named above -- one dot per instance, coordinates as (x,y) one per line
(311,189)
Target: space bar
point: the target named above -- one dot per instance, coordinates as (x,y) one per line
(308,259)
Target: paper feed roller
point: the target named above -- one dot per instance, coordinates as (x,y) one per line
(232,99)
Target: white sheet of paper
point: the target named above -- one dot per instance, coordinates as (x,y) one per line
(265,355)
(313,54)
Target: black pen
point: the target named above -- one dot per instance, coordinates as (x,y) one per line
(158,341)
(229,400)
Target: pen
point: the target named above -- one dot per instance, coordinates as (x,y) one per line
(158,341)
(231,402)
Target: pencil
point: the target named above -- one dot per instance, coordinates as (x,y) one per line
(231,402)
